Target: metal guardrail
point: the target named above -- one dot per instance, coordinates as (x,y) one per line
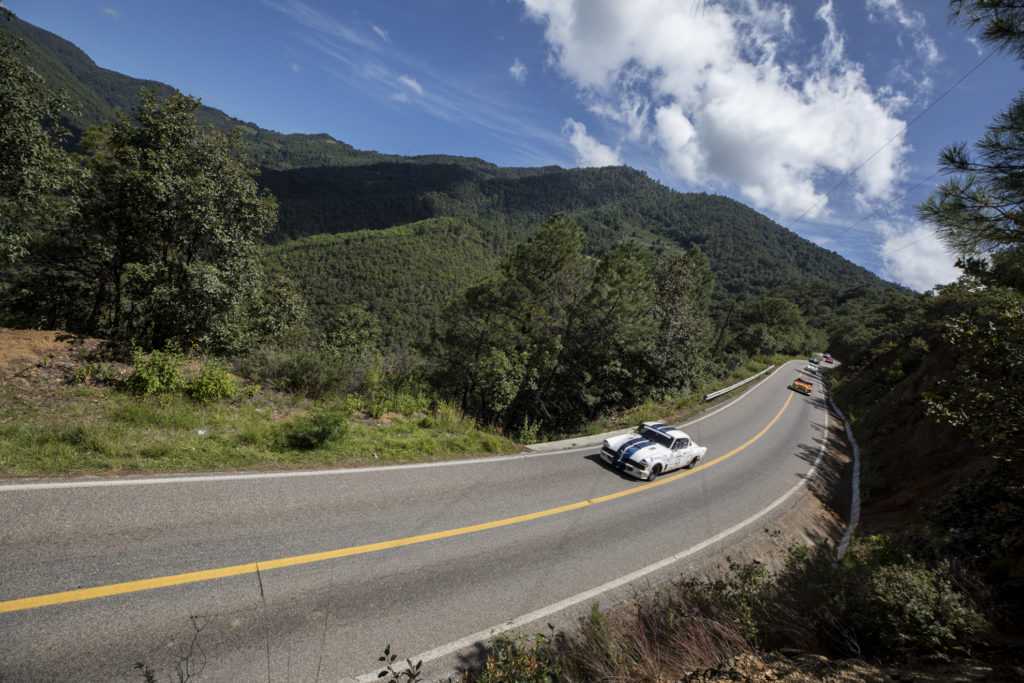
(721,392)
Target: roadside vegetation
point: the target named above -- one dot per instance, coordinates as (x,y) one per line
(89,413)
(875,603)
(85,410)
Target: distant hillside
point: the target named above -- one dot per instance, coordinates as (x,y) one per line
(100,92)
(326,187)
(403,275)
(750,254)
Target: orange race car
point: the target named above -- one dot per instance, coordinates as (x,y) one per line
(804,386)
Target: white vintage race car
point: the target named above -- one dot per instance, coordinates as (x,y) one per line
(652,449)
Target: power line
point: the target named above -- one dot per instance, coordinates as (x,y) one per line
(873,213)
(893,251)
(889,141)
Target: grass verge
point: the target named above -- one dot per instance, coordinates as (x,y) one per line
(98,430)
(86,424)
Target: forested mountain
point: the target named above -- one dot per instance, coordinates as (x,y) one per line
(460,215)
(99,92)
(402,274)
(750,255)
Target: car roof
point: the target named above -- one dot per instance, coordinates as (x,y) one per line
(668,430)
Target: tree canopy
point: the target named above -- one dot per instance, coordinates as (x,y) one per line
(1001,21)
(558,337)
(165,247)
(979,211)
(173,221)
(38,179)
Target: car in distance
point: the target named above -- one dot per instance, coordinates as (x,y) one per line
(804,386)
(814,360)
(652,449)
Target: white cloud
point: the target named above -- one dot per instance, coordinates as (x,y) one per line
(381,32)
(321,22)
(411,83)
(589,152)
(678,138)
(914,22)
(518,71)
(915,257)
(709,85)
(400,97)
(630,110)
(110,11)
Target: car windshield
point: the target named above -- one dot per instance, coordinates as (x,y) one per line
(655,435)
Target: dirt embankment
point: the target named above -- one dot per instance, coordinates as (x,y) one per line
(39,363)
(22,350)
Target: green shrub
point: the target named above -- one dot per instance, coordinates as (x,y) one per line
(912,608)
(213,382)
(305,370)
(448,415)
(156,373)
(393,674)
(877,600)
(517,657)
(376,405)
(410,403)
(315,430)
(260,432)
(529,433)
(90,437)
(738,600)
(83,373)
(98,372)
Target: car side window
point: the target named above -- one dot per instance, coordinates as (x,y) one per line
(685,443)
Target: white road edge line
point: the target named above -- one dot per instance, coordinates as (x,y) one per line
(483,636)
(189,479)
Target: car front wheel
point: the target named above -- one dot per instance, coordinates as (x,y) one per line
(653,474)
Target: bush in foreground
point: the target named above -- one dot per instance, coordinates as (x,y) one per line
(877,601)
(316,429)
(212,383)
(156,373)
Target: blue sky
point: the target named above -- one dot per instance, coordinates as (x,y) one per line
(827,116)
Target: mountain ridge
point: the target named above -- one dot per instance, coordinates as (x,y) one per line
(327,187)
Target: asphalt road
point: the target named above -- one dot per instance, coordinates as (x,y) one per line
(289,578)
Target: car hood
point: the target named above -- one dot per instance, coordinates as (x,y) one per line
(635,447)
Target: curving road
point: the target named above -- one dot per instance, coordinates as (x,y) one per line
(307,576)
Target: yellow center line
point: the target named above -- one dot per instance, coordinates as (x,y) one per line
(253,567)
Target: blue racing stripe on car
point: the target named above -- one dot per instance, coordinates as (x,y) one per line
(628,452)
(624,447)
